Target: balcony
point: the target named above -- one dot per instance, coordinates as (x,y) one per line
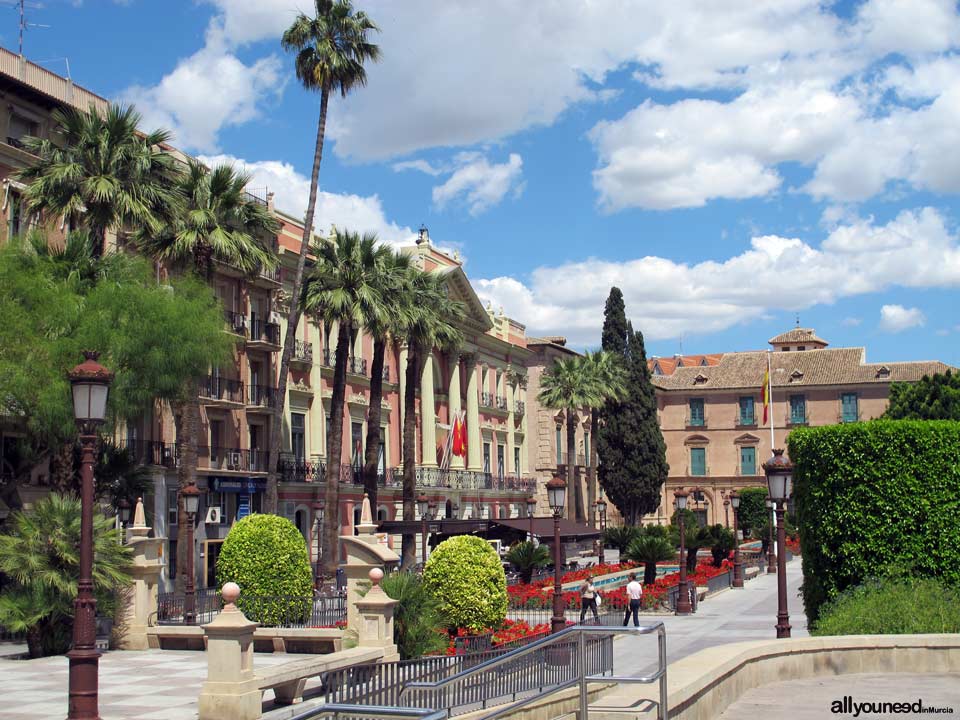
(316,471)
(231,459)
(520,407)
(236,322)
(261,397)
(357,366)
(500,402)
(579,459)
(470,480)
(302,353)
(264,336)
(216,390)
(486,400)
(271,277)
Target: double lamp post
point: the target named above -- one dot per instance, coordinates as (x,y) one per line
(556,496)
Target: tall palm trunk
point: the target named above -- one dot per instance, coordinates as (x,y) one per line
(187,426)
(592,467)
(574,495)
(271,501)
(408,556)
(331,518)
(372,456)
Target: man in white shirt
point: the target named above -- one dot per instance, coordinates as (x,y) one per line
(634,593)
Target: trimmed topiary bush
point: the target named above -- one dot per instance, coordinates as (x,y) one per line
(267,557)
(873,499)
(892,606)
(466,577)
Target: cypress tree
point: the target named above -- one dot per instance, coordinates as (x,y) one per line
(631,450)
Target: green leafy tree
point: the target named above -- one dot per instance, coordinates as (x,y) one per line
(99,171)
(465,576)
(40,560)
(631,450)
(933,398)
(347,288)
(330,48)
(526,557)
(416,618)
(695,537)
(432,320)
(753,513)
(649,550)
(721,543)
(620,536)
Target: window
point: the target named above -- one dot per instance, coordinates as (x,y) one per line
(747,416)
(382,457)
(586,449)
(216,443)
(559,444)
(501,460)
(172,507)
(19,127)
(356,444)
(698,461)
(748,461)
(15,225)
(256,462)
(516,461)
(798,409)
(696,412)
(486,457)
(850,412)
(298,435)
(801,347)
(172,559)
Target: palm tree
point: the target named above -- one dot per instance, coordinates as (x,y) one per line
(568,386)
(331,49)
(527,557)
(649,549)
(347,286)
(102,173)
(610,378)
(216,221)
(431,323)
(394,284)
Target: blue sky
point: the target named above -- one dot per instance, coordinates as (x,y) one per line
(729,164)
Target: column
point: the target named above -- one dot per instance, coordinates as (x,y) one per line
(428,414)
(402,372)
(510,393)
(474,457)
(524,443)
(453,401)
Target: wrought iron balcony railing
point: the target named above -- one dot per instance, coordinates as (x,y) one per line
(262,396)
(302,351)
(214,387)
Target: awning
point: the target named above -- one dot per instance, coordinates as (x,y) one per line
(543,528)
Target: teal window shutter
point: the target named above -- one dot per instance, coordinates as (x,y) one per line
(698,461)
(747,411)
(850,412)
(798,409)
(748,461)
(696,411)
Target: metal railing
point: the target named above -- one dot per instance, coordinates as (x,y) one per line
(271,275)
(486,400)
(744,420)
(576,656)
(214,387)
(500,402)
(264,332)
(333,711)
(170,607)
(302,351)
(521,407)
(262,396)
(236,321)
(357,366)
(470,480)
(321,611)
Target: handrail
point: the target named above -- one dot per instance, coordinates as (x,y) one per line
(338,710)
(580,632)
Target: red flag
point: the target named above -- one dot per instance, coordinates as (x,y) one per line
(459,438)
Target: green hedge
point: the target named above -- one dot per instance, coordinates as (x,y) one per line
(466,577)
(267,557)
(876,498)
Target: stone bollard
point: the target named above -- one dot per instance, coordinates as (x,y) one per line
(364,552)
(230,691)
(139,605)
(375,609)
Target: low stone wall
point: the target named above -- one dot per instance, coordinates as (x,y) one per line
(314,641)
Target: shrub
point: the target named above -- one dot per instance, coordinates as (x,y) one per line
(753,513)
(620,536)
(892,606)
(416,622)
(874,496)
(649,549)
(267,557)
(721,542)
(527,557)
(465,576)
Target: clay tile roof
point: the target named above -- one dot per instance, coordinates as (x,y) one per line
(840,366)
(669,364)
(797,335)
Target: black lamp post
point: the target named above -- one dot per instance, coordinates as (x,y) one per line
(683,593)
(90,383)
(423,505)
(779,472)
(726,511)
(556,496)
(191,503)
(123,510)
(531,507)
(318,516)
(737,560)
(771,558)
(602,513)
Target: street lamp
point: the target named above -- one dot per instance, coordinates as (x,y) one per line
(726,511)
(90,383)
(779,472)
(191,503)
(423,505)
(683,593)
(771,558)
(318,515)
(602,513)
(123,510)
(556,496)
(737,561)
(531,507)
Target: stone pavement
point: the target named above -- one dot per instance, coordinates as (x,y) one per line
(813,698)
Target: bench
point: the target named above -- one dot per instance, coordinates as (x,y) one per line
(289,679)
(306,640)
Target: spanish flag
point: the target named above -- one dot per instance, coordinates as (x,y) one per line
(765,395)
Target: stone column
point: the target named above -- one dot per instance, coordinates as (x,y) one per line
(474,457)
(428,415)
(511,419)
(139,603)
(231,690)
(453,401)
(402,372)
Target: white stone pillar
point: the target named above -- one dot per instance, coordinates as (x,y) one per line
(474,457)
(453,401)
(511,419)
(428,415)
(402,372)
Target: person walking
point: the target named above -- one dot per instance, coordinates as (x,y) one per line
(634,593)
(588,600)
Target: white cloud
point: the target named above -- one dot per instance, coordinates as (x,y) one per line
(419,165)
(851,322)
(292,190)
(666,298)
(897,318)
(478,183)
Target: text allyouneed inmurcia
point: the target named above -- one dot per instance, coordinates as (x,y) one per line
(848,706)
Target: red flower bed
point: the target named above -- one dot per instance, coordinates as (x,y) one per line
(510,631)
(538,594)
(793,545)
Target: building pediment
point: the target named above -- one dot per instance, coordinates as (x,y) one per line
(697,440)
(461,289)
(747,439)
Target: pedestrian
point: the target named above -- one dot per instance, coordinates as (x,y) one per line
(588,600)
(634,593)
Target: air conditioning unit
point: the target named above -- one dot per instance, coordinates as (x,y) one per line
(236,461)
(274,318)
(213,515)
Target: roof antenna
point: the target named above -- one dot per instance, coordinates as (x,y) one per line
(798,319)
(681,344)
(22,6)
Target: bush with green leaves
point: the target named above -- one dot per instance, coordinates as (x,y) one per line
(267,557)
(649,549)
(40,566)
(892,606)
(875,497)
(620,536)
(721,542)
(753,512)
(526,557)
(465,576)
(416,620)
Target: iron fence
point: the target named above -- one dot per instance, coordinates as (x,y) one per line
(282,611)
(170,607)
